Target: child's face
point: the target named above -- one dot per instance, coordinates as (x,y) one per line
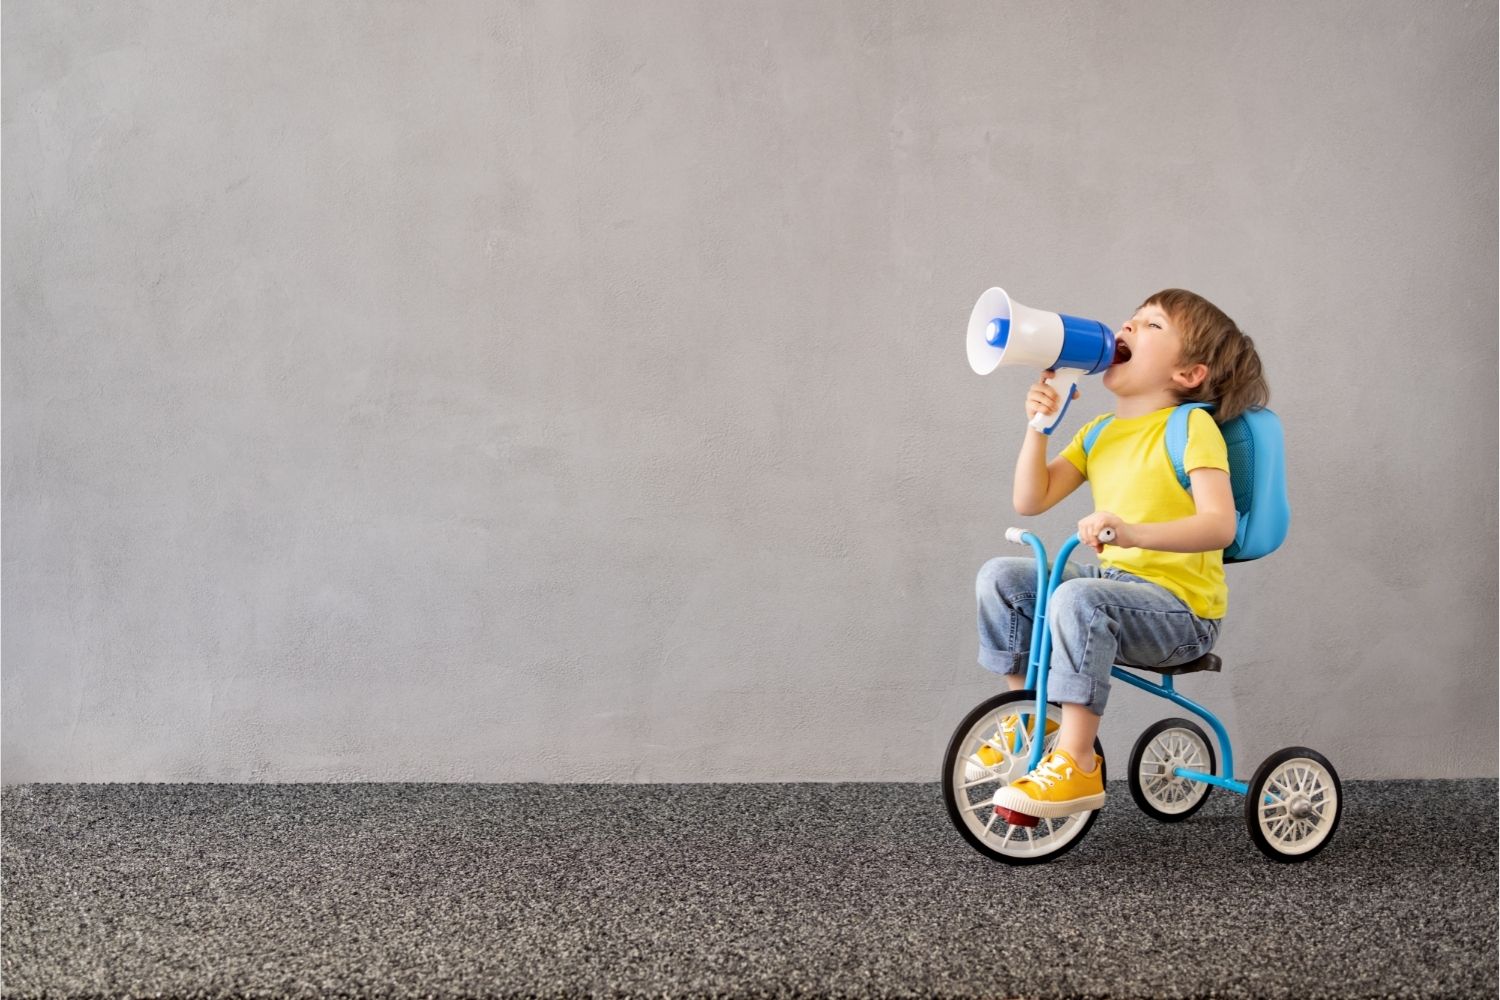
(1154,348)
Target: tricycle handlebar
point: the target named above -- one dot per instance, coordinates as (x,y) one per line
(1014,535)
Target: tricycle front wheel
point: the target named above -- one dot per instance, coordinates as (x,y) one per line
(969,784)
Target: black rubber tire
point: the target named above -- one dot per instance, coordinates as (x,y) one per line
(950,762)
(1139,751)
(1257,791)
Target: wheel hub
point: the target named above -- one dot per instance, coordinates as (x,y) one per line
(1300,806)
(1171,764)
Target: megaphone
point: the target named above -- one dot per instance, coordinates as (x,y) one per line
(1004,332)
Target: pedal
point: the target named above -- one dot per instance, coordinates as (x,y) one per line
(1014,818)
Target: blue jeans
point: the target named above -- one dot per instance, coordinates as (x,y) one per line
(1098,617)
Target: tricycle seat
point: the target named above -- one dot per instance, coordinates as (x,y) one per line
(1208,661)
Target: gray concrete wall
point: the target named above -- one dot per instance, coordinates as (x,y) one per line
(576,391)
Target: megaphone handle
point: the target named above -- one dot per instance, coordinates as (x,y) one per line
(1066,379)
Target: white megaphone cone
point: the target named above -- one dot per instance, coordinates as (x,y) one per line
(1004,332)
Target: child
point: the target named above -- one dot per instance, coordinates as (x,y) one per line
(1158,595)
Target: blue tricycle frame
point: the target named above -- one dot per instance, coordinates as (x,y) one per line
(1292,804)
(1041,657)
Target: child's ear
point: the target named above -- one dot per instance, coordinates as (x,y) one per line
(1193,377)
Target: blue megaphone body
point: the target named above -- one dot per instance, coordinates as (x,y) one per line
(1004,332)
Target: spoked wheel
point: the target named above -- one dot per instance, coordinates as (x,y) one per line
(1162,748)
(969,785)
(1293,805)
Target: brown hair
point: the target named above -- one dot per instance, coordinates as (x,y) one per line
(1235,382)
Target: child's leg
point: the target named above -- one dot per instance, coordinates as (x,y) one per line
(1097,622)
(1079,727)
(1006,593)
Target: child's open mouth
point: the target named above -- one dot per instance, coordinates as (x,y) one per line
(1122,353)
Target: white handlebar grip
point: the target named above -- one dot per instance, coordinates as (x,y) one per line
(1014,535)
(1107,535)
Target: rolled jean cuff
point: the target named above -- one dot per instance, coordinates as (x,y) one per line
(1076,689)
(1003,661)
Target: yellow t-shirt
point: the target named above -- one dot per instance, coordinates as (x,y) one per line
(1130,475)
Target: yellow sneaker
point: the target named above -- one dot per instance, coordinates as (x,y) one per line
(1055,787)
(989,756)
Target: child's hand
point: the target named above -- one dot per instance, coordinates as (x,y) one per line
(1089,528)
(1042,398)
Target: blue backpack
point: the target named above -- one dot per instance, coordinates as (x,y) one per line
(1257,475)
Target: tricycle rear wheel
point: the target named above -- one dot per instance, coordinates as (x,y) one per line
(1293,805)
(1163,747)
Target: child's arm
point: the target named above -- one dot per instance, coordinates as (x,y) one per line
(1212,528)
(1039,486)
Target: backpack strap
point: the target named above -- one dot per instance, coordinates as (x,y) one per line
(1093,434)
(1176,440)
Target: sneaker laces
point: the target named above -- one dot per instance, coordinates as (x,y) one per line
(1049,771)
